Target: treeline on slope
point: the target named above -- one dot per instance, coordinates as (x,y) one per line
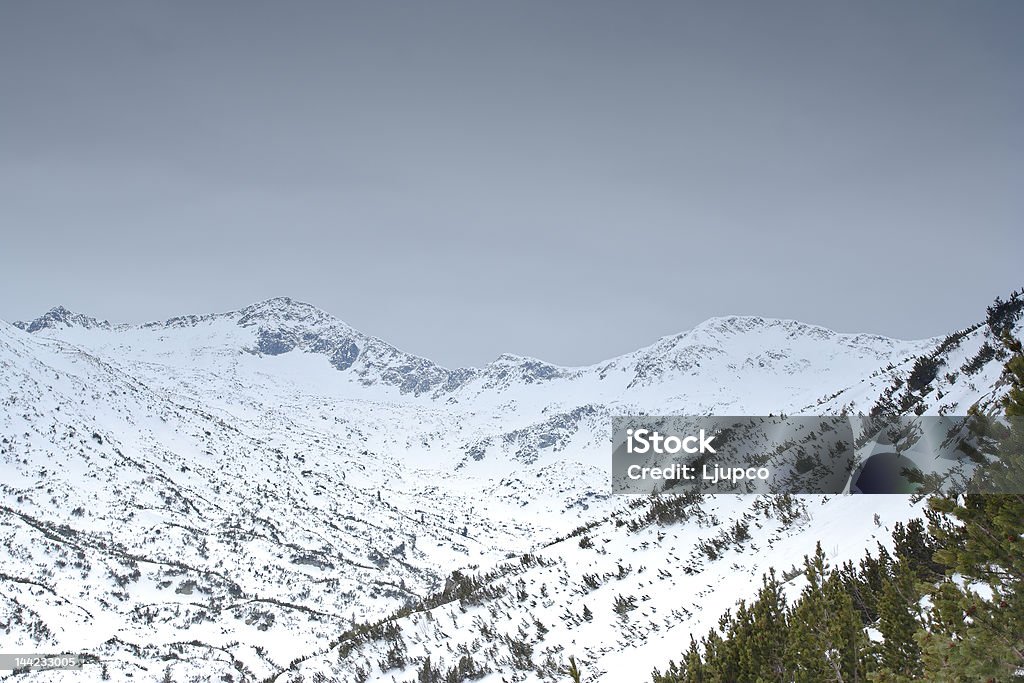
(465,590)
(904,397)
(947,606)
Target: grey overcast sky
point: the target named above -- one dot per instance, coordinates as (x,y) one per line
(568,180)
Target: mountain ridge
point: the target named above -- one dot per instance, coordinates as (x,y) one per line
(284,310)
(175,498)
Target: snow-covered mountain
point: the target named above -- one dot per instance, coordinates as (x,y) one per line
(245,495)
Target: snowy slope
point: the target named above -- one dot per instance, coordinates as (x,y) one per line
(222,494)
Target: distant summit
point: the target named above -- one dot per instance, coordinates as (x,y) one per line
(284,309)
(719,347)
(60,317)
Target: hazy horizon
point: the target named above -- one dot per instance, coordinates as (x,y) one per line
(568,182)
(506,351)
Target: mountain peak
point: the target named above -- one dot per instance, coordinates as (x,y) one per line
(515,359)
(720,328)
(528,369)
(284,309)
(744,323)
(58,317)
(732,325)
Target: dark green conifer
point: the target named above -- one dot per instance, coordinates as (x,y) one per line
(976,627)
(899,656)
(763,654)
(826,638)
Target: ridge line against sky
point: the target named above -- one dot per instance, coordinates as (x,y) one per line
(413,352)
(568,181)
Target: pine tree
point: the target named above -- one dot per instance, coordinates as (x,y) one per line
(864,583)
(898,605)
(716,658)
(694,665)
(975,630)
(805,653)
(914,545)
(427,672)
(673,674)
(762,656)
(826,640)
(734,631)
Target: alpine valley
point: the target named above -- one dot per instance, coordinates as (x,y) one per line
(271,495)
